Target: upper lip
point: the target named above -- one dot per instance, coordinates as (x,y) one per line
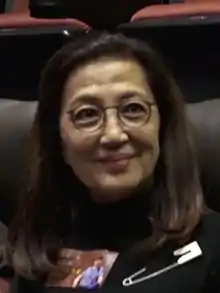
(115,157)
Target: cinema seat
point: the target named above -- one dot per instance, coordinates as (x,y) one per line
(191,11)
(23,20)
(98,14)
(19,17)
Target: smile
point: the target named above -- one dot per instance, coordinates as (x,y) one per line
(116,163)
(116,158)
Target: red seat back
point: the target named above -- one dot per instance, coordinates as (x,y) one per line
(98,14)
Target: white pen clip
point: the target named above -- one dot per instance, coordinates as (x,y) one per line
(186,253)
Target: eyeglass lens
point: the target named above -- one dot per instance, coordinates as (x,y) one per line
(91,117)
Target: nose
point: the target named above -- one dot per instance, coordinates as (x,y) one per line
(114,134)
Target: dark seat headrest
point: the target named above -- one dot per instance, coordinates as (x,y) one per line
(205,120)
(16,118)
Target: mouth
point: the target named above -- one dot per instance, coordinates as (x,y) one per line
(115,158)
(116,163)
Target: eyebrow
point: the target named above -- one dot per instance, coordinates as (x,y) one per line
(84,98)
(93,98)
(132,94)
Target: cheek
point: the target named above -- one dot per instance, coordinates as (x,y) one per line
(77,152)
(75,155)
(73,140)
(148,140)
(150,158)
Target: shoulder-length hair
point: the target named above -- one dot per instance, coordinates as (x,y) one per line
(39,230)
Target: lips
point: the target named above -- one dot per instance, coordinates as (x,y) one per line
(116,163)
(115,158)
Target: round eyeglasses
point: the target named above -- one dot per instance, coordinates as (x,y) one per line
(90,118)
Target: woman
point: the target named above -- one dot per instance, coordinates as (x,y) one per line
(112,168)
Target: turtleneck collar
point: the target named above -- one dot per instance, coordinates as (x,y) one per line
(120,224)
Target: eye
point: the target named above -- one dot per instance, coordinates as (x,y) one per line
(134,110)
(86,116)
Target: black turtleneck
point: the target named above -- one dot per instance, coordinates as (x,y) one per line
(115,226)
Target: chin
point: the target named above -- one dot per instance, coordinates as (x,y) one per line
(114,191)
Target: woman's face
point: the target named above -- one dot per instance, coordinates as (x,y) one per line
(109,126)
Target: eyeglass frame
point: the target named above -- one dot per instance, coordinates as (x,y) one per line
(117,107)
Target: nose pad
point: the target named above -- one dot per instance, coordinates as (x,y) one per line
(114,133)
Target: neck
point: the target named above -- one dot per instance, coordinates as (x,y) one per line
(124,221)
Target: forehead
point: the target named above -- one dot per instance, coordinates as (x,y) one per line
(98,76)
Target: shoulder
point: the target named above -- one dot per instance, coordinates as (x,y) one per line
(209,228)
(88,270)
(208,233)
(211,218)
(208,237)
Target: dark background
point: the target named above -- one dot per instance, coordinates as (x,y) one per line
(191,52)
(190,46)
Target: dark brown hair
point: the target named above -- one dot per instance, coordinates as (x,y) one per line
(39,231)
